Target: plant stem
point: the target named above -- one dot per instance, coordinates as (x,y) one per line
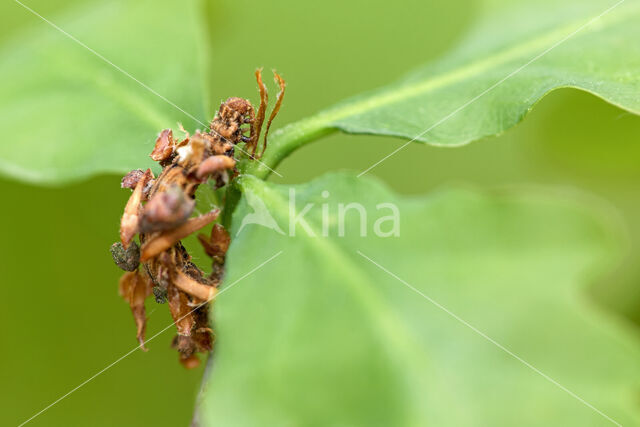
(286,140)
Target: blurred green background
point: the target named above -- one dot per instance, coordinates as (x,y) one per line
(62,318)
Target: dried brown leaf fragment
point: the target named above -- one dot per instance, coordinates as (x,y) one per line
(194,288)
(131,179)
(134,288)
(164,148)
(164,240)
(217,244)
(215,164)
(166,210)
(181,311)
(129,223)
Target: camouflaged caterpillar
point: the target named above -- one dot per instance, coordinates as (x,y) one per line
(159,212)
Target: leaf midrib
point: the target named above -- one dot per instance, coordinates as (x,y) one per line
(292,136)
(397,337)
(528,47)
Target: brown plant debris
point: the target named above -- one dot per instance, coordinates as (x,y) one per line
(160,242)
(135,287)
(160,211)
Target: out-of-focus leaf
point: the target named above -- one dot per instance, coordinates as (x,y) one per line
(517,53)
(322,336)
(68,114)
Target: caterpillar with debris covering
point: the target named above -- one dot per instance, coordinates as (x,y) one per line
(160,212)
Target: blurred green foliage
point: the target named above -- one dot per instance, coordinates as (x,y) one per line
(364,330)
(63,318)
(53,77)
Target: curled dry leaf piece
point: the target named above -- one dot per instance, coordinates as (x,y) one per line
(181,312)
(184,317)
(166,210)
(129,221)
(191,154)
(131,179)
(163,241)
(165,145)
(159,211)
(194,288)
(215,164)
(134,288)
(217,244)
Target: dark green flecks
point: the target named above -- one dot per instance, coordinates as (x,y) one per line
(126,259)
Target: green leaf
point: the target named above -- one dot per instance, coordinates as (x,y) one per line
(520,51)
(73,115)
(68,114)
(320,335)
